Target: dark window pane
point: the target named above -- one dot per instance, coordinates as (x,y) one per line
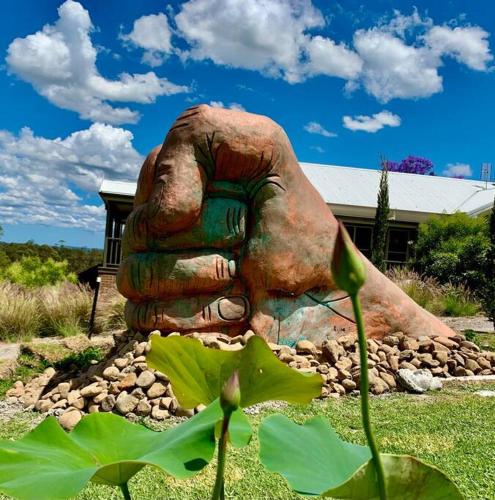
(398,239)
(363,238)
(397,256)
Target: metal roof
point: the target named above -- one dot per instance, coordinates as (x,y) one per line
(353,191)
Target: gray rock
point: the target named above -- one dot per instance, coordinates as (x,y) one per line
(146,379)
(108,403)
(126,403)
(111,373)
(418,381)
(70,418)
(486,394)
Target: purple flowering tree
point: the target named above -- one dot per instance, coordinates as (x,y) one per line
(411,165)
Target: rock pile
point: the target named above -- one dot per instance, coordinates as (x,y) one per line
(123,383)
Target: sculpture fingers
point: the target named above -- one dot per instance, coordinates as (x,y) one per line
(147,276)
(221,224)
(188,313)
(146,177)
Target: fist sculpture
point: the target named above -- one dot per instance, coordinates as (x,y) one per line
(227,234)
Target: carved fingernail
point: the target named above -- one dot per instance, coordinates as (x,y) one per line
(232,269)
(232,308)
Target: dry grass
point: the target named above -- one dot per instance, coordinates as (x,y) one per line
(65,309)
(58,310)
(20,317)
(110,315)
(442,300)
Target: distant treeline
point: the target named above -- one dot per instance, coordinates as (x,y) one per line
(78,259)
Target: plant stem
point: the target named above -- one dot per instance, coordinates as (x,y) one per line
(219,490)
(364,390)
(125,491)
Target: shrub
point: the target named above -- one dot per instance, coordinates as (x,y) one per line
(440,299)
(488,288)
(32,271)
(452,249)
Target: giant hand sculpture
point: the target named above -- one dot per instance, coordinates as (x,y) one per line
(227,233)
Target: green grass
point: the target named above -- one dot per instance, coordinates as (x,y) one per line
(452,429)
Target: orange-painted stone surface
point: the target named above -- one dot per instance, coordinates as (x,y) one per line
(227,233)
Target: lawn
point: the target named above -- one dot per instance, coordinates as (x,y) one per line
(453,429)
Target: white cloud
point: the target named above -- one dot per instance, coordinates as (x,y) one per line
(371,123)
(458,170)
(316,128)
(331,59)
(401,58)
(40,176)
(263,35)
(394,69)
(233,105)
(60,62)
(318,149)
(468,45)
(153,34)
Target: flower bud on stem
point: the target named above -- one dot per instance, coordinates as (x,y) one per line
(350,274)
(230,399)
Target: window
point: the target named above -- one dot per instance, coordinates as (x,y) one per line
(362,236)
(398,244)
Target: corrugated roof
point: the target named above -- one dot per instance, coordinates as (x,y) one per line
(407,192)
(358,187)
(122,188)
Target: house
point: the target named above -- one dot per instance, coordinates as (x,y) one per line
(351,193)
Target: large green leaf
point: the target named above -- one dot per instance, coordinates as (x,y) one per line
(407,478)
(311,457)
(198,373)
(315,461)
(48,463)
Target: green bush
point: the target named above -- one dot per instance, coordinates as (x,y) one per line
(440,299)
(32,271)
(452,249)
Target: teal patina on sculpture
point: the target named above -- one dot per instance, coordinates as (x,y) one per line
(227,234)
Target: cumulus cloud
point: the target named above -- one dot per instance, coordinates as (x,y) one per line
(316,128)
(394,69)
(331,59)
(264,35)
(153,34)
(40,176)
(458,170)
(233,105)
(401,58)
(60,62)
(468,45)
(372,123)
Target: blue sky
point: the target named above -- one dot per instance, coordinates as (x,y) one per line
(89,87)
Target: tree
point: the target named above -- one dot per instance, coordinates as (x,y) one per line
(32,271)
(488,295)
(1,231)
(412,165)
(380,229)
(452,248)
